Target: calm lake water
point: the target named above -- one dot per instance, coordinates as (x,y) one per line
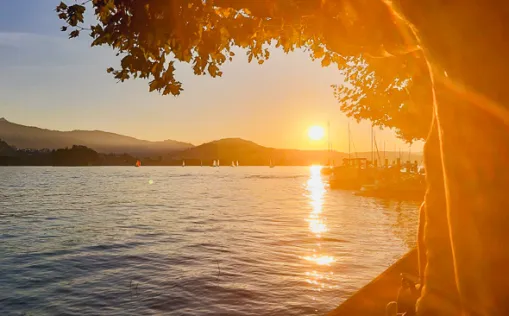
(189,241)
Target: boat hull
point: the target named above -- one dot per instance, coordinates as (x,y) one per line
(402,195)
(347,178)
(326,171)
(411,188)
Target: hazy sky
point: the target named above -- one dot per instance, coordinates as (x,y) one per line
(49,81)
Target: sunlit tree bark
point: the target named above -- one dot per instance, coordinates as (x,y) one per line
(468,65)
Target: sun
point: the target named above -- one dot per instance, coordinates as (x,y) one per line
(316,132)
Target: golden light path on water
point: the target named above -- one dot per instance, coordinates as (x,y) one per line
(318,226)
(198,241)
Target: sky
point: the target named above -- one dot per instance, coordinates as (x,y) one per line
(49,81)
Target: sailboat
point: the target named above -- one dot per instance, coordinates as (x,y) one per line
(233,164)
(352,175)
(138,163)
(201,163)
(183,163)
(214,164)
(237,163)
(271,165)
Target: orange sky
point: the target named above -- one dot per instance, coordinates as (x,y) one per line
(51,82)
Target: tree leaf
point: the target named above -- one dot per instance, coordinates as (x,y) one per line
(326,60)
(154,85)
(74,34)
(213,69)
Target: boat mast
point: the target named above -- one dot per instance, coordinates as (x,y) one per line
(349,138)
(328,144)
(384,152)
(372,157)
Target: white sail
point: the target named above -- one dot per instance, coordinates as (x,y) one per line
(237,163)
(215,164)
(233,164)
(183,163)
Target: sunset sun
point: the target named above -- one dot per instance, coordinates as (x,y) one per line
(316,132)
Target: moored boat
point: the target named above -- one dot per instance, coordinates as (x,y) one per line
(391,183)
(411,189)
(326,171)
(352,175)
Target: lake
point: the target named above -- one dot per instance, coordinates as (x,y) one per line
(189,241)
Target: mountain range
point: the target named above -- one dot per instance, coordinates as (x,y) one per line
(171,152)
(23,137)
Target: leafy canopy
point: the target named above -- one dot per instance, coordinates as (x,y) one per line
(395,94)
(152,35)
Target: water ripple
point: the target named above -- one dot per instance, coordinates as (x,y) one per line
(189,241)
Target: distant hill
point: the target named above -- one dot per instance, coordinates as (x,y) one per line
(22,136)
(227,150)
(249,153)
(172,152)
(6,150)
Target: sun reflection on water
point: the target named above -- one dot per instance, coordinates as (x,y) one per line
(319,259)
(316,189)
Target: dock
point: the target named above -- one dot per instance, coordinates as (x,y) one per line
(374,297)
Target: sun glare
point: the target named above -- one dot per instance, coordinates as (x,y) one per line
(316,132)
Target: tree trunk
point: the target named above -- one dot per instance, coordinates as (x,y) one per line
(467,202)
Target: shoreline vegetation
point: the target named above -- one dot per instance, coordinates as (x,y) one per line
(81,156)
(226,150)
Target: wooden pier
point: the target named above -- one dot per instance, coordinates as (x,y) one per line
(374,297)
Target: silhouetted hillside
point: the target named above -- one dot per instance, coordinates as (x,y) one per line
(22,136)
(249,153)
(227,150)
(75,156)
(34,144)
(6,150)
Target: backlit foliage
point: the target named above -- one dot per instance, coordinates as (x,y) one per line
(151,35)
(391,92)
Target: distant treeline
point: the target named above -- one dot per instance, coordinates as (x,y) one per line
(75,156)
(79,155)
(226,151)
